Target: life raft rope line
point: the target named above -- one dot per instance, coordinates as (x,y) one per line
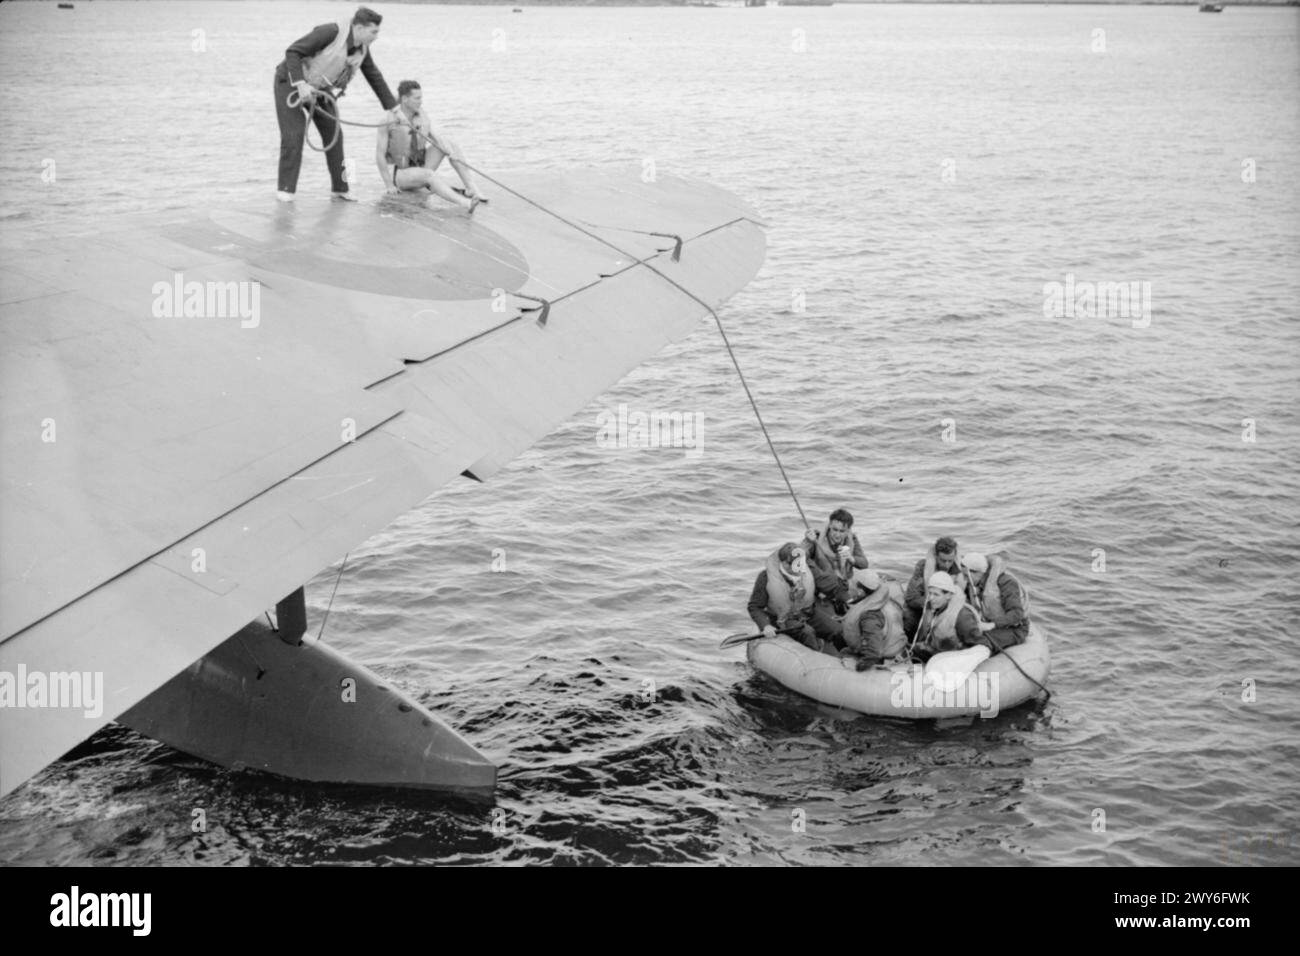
(677,240)
(686,292)
(332,593)
(293,100)
(996,646)
(1002,650)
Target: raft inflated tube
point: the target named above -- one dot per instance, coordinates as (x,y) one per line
(901,690)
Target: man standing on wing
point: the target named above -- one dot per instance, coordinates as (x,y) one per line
(324,60)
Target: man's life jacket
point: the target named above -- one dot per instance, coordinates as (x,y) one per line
(940,632)
(959,575)
(785,598)
(945,624)
(991,595)
(406,144)
(332,66)
(888,599)
(825,554)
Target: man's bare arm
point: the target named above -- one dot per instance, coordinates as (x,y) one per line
(381,159)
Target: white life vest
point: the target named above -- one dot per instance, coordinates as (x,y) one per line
(828,556)
(333,66)
(939,632)
(991,597)
(888,599)
(785,597)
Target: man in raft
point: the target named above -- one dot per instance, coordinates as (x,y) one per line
(408,153)
(833,554)
(949,623)
(942,556)
(782,598)
(324,59)
(1002,600)
(873,625)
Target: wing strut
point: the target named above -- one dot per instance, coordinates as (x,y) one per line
(291,616)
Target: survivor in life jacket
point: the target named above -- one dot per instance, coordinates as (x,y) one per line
(888,599)
(991,594)
(960,577)
(406,144)
(785,597)
(826,556)
(940,632)
(332,66)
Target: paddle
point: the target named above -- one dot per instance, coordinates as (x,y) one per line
(742,637)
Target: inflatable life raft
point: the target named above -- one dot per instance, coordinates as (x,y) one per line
(908,690)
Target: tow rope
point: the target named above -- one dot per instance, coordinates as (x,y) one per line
(294,101)
(1021,669)
(326,617)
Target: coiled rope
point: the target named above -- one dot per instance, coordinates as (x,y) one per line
(295,101)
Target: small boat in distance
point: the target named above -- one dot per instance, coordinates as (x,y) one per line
(1211,8)
(65,6)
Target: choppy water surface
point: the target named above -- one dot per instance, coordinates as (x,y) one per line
(925,171)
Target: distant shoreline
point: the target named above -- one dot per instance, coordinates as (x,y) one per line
(895,3)
(804,5)
(776,3)
(839,3)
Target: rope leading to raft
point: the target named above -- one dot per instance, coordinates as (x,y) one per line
(996,646)
(754,405)
(689,294)
(332,593)
(1002,650)
(293,100)
(677,253)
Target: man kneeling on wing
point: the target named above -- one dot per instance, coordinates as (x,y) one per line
(409,153)
(782,599)
(1003,600)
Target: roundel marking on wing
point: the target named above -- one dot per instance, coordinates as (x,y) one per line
(412,253)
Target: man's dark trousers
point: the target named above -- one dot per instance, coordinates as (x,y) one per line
(293,126)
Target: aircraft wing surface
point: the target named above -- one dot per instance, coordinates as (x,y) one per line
(199,411)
